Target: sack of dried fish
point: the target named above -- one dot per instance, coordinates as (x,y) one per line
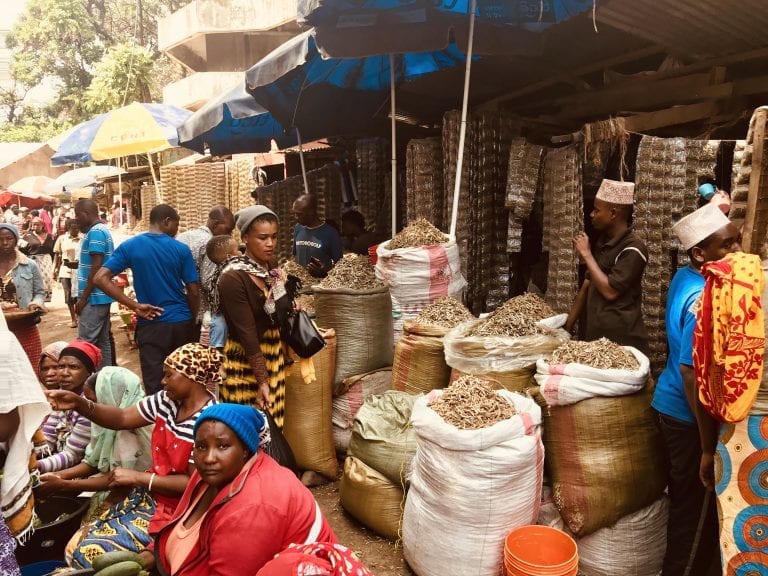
(612,468)
(352,272)
(382,438)
(518,316)
(440,316)
(418,233)
(416,276)
(296,269)
(514,380)
(470,403)
(482,354)
(363,323)
(495,475)
(580,370)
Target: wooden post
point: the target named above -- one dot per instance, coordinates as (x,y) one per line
(755,183)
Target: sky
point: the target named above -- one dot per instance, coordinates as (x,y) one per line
(11,9)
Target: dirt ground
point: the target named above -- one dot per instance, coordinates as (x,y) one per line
(382,556)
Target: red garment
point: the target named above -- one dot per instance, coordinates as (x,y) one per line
(260,513)
(29,338)
(47,222)
(315,559)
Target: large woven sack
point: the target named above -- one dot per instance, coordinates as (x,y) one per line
(307,421)
(419,363)
(363,323)
(371,499)
(483,354)
(512,380)
(470,488)
(346,405)
(634,546)
(382,436)
(563,384)
(604,458)
(421,274)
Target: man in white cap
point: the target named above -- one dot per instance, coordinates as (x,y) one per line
(692,530)
(612,289)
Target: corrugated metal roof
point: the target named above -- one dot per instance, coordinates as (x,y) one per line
(691,28)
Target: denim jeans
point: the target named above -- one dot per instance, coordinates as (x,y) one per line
(218,331)
(93,326)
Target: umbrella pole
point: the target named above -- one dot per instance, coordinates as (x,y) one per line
(301,158)
(120,193)
(158,193)
(463,127)
(394,142)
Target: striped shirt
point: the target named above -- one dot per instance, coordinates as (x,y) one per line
(163,412)
(67,434)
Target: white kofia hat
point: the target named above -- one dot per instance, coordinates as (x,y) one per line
(698,225)
(616,192)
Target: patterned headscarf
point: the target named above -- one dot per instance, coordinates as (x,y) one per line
(53,350)
(198,363)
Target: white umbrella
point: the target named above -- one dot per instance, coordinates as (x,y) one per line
(81,177)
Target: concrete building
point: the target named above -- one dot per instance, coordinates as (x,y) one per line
(217,40)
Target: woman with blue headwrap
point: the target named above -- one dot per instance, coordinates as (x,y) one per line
(236,490)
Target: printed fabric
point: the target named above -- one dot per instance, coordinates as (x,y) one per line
(318,559)
(729,339)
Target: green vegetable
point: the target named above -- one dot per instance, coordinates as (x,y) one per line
(101,562)
(127,568)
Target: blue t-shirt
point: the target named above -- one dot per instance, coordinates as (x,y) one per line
(682,299)
(161,267)
(97,240)
(322,242)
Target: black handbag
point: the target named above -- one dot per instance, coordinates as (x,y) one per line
(302,335)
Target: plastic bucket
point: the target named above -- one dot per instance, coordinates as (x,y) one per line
(540,551)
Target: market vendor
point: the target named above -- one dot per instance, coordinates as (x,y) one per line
(316,244)
(357,239)
(706,235)
(611,293)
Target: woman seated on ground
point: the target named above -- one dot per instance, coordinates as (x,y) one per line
(68,431)
(236,491)
(154,493)
(22,410)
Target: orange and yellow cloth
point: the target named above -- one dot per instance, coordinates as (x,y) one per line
(729,339)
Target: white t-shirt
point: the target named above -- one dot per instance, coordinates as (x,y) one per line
(69,248)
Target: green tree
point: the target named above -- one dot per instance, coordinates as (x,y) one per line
(122,76)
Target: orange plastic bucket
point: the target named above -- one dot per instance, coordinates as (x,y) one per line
(540,551)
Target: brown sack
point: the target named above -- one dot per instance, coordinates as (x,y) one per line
(371,499)
(419,364)
(604,457)
(513,380)
(307,421)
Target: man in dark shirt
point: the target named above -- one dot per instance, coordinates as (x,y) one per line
(316,244)
(612,289)
(354,234)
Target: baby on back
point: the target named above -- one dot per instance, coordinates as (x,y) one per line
(219,250)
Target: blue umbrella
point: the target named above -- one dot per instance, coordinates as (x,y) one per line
(233,123)
(334,96)
(353,28)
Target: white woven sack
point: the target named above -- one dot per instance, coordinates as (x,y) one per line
(634,546)
(345,407)
(470,488)
(421,274)
(483,354)
(564,384)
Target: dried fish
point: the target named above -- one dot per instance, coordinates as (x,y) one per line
(471,403)
(296,269)
(602,354)
(352,271)
(516,317)
(418,233)
(445,312)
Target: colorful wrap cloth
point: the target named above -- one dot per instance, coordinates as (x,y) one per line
(318,559)
(729,339)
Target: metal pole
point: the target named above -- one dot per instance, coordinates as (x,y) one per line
(463,127)
(394,142)
(301,158)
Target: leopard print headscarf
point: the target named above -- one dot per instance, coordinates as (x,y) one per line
(198,363)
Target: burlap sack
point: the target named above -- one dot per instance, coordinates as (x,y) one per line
(371,499)
(363,323)
(382,436)
(307,422)
(346,406)
(513,380)
(604,458)
(419,364)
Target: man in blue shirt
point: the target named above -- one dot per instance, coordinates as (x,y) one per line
(316,244)
(692,529)
(167,289)
(93,304)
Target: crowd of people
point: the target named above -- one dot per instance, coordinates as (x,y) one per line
(177,456)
